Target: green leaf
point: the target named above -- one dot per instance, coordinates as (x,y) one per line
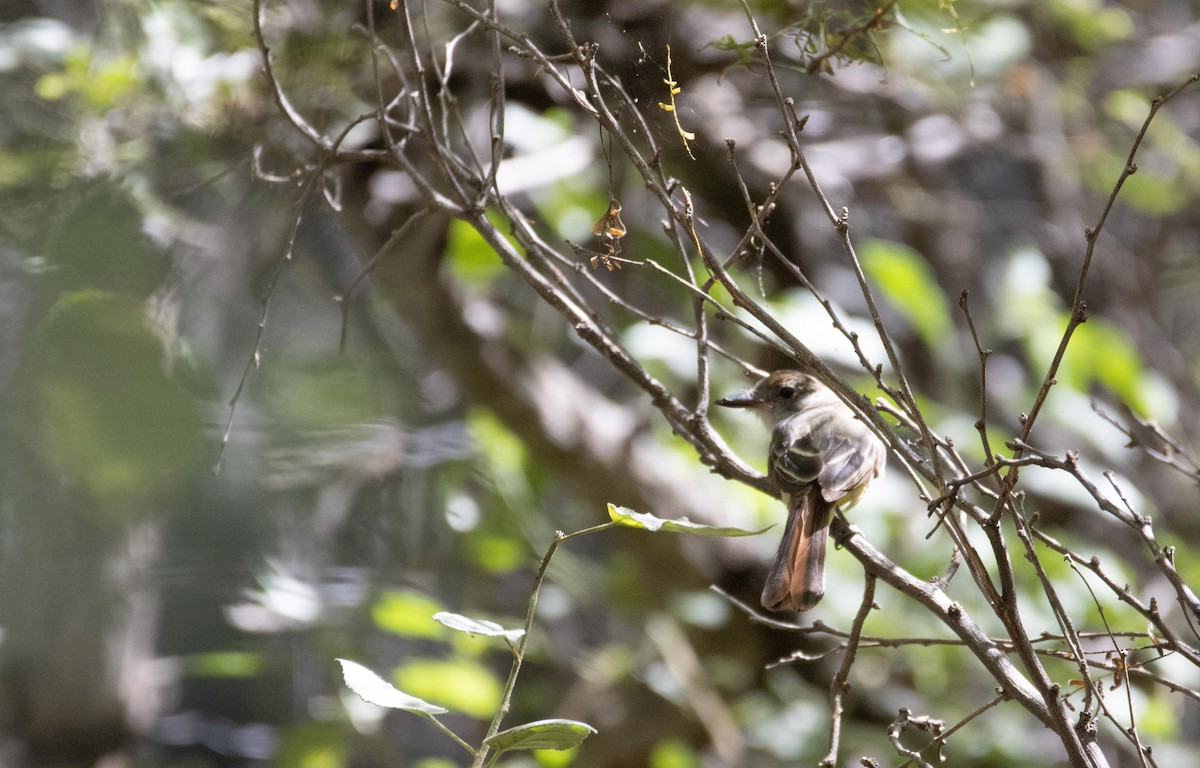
(373,689)
(648,522)
(477,626)
(543,734)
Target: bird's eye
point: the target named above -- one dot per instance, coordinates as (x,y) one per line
(787,393)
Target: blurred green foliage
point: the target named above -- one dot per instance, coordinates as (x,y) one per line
(106,412)
(1091,23)
(472,261)
(673,753)
(408,613)
(314,745)
(459,684)
(909,284)
(224,664)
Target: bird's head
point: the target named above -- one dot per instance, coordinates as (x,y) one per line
(778,396)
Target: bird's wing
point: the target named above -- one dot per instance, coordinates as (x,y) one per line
(825,446)
(850,461)
(795,459)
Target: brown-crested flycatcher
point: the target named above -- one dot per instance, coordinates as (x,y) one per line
(822,457)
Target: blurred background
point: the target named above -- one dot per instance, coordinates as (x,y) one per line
(215,479)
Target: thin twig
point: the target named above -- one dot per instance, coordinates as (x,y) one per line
(1078,307)
(841,680)
(519,649)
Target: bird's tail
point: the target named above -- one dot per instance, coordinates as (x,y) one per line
(796,581)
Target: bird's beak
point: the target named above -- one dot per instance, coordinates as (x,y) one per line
(740,400)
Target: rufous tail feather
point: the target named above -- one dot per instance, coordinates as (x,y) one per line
(796,581)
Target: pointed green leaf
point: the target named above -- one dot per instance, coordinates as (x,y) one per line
(543,734)
(375,690)
(476,626)
(648,522)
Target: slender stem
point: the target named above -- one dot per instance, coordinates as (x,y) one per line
(519,649)
(1078,306)
(453,735)
(841,681)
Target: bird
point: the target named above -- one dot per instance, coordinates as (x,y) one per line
(821,457)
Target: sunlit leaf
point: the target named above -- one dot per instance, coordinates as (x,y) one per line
(648,522)
(477,626)
(543,734)
(109,83)
(375,690)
